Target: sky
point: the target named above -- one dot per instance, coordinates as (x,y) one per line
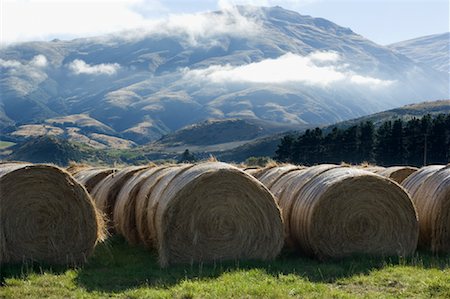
(382,21)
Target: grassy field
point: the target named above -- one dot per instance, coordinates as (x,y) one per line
(118,270)
(6,144)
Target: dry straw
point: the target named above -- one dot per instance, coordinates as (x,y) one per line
(332,211)
(206,212)
(397,173)
(106,191)
(45,216)
(272,175)
(430,191)
(90,177)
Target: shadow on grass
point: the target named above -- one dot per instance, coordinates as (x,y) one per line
(116,266)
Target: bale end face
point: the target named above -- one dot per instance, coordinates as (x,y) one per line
(46,216)
(347,211)
(220,215)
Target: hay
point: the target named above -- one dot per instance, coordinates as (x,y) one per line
(397,173)
(106,191)
(126,207)
(257,173)
(430,192)
(413,182)
(374,169)
(286,190)
(208,212)
(90,177)
(272,175)
(332,212)
(74,167)
(45,216)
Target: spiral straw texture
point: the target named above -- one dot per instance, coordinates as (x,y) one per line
(45,216)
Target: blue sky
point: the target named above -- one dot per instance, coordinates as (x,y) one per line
(379,20)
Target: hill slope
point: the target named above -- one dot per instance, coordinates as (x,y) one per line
(432,50)
(268,145)
(267,64)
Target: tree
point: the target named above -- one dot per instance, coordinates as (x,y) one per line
(284,151)
(366,142)
(383,144)
(187,157)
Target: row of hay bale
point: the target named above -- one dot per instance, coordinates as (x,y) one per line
(45,216)
(333,211)
(189,213)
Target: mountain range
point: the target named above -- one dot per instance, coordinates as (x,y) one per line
(260,64)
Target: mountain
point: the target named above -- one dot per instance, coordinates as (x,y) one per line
(431,50)
(254,63)
(268,145)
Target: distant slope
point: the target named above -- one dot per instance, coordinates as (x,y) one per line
(268,145)
(147,83)
(218,131)
(432,50)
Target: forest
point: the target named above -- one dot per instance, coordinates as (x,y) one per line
(416,142)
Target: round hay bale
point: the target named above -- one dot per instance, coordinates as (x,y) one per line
(261,171)
(344,211)
(45,216)
(142,207)
(432,200)
(211,211)
(106,191)
(398,173)
(286,189)
(374,169)
(90,177)
(73,168)
(272,175)
(413,182)
(126,207)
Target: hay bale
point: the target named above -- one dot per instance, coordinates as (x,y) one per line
(397,173)
(431,196)
(74,167)
(106,191)
(126,207)
(374,169)
(257,173)
(210,211)
(413,182)
(45,216)
(333,212)
(90,177)
(272,175)
(286,189)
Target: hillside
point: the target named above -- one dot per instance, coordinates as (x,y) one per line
(141,85)
(268,145)
(431,50)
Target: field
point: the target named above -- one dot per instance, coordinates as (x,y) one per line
(5,144)
(119,270)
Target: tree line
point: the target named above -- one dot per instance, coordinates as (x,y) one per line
(418,142)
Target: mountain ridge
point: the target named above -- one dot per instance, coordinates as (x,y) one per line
(143,85)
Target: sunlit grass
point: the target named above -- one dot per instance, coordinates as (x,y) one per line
(119,270)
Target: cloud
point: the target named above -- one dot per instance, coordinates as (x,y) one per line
(65,19)
(79,66)
(38,61)
(319,69)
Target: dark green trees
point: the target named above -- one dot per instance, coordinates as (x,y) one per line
(414,142)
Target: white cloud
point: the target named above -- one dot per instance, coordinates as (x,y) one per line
(47,19)
(9,63)
(39,61)
(78,67)
(319,68)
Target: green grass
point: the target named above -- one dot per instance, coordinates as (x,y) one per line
(122,271)
(6,144)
